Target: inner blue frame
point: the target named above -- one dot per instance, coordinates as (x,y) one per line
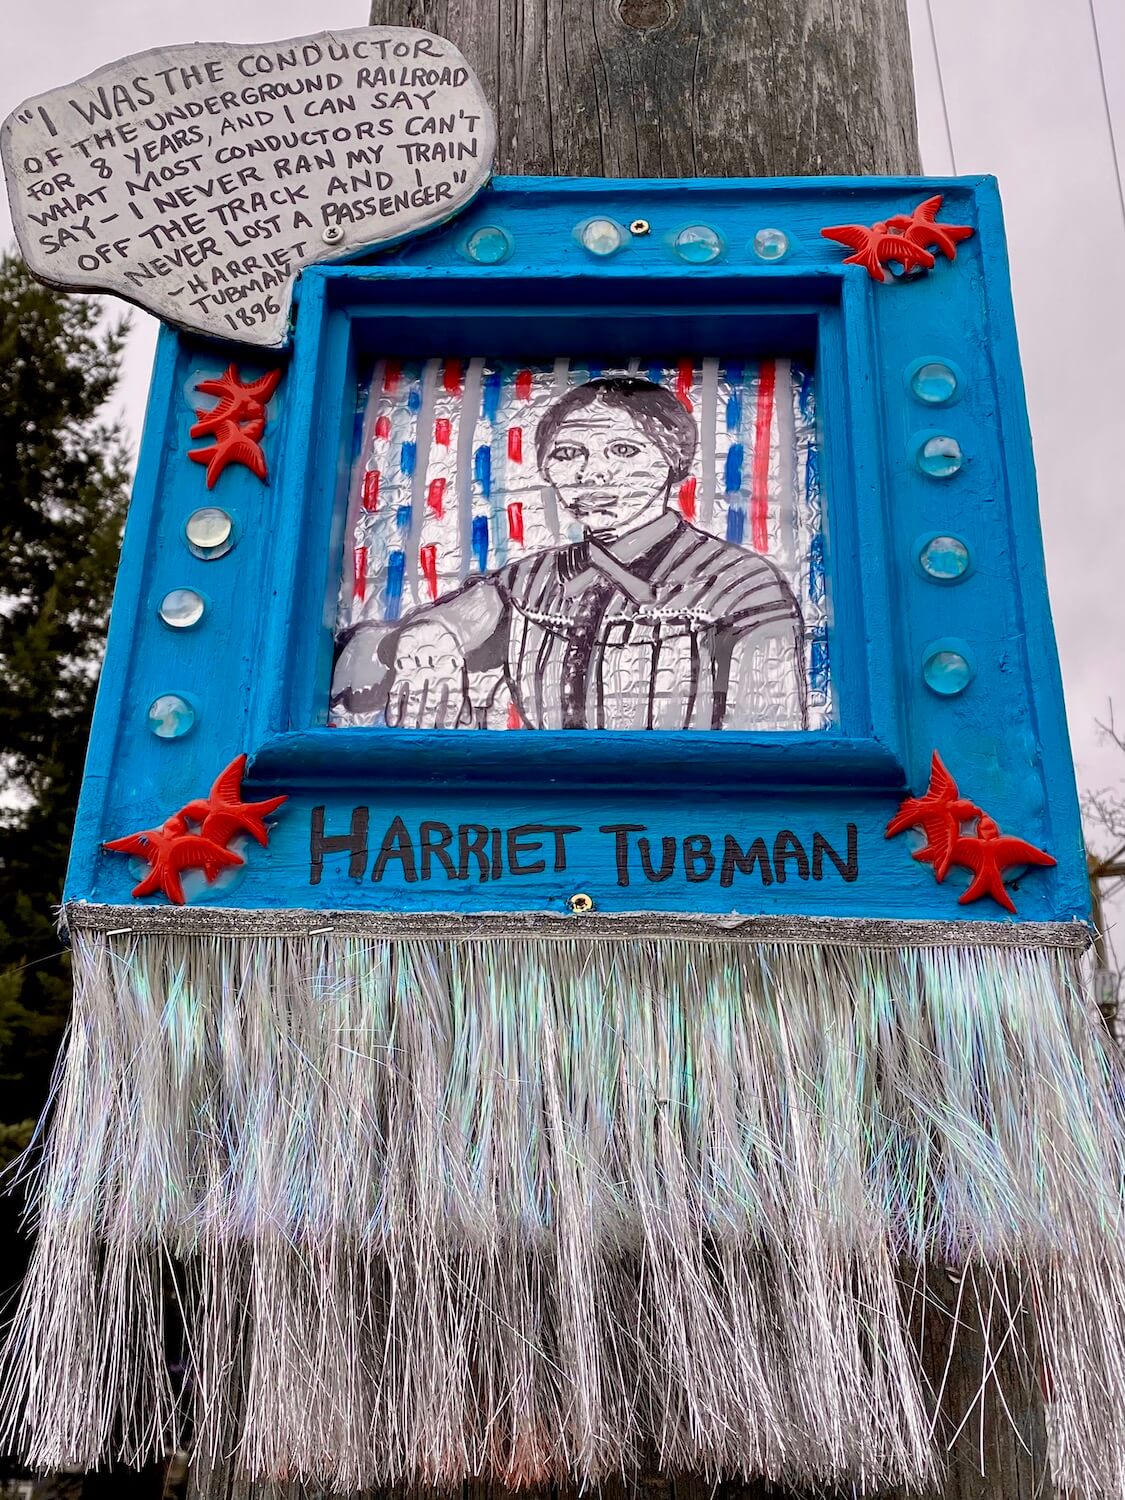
(346,312)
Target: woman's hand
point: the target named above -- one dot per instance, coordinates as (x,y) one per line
(430,687)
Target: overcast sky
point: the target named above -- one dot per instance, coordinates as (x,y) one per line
(1024,103)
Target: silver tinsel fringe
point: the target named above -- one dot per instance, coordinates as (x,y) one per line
(523,1205)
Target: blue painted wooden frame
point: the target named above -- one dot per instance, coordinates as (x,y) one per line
(259,667)
(344,309)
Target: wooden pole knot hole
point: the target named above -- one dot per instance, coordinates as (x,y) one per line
(646,15)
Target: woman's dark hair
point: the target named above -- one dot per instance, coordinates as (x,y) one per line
(654,409)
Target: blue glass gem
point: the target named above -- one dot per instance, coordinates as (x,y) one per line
(934,383)
(940,457)
(944,558)
(698,243)
(489,245)
(210,533)
(170,716)
(601,236)
(945,671)
(771,244)
(182,608)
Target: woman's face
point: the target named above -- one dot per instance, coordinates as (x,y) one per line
(607,473)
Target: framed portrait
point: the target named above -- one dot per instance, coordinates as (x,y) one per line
(762,529)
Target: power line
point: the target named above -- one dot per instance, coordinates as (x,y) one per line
(1114,154)
(941,90)
(1105,106)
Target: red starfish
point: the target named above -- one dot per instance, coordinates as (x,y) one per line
(921,229)
(169,851)
(988,855)
(236,423)
(233,445)
(223,813)
(939,814)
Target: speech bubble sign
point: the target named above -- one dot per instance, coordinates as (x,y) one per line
(198,181)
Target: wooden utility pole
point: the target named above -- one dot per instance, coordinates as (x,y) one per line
(686,88)
(740,88)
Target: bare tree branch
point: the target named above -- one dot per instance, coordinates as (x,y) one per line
(1103,810)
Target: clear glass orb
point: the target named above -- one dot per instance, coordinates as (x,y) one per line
(771,244)
(940,457)
(946,672)
(182,608)
(489,245)
(170,716)
(601,236)
(698,243)
(944,558)
(934,383)
(209,532)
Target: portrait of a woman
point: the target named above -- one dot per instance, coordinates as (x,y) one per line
(645,622)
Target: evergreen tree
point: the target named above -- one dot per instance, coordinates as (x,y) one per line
(63,473)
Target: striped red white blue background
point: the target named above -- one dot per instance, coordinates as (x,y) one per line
(445,482)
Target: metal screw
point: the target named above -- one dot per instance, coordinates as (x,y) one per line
(333,234)
(639,226)
(580,903)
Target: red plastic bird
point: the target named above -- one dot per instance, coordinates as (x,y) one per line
(986,852)
(904,238)
(239,400)
(233,445)
(223,814)
(170,850)
(921,228)
(174,847)
(988,855)
(877,247)
(939,814)
(236,422)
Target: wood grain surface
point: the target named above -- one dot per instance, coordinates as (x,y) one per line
(686,88)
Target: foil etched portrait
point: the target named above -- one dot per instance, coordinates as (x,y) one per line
(566,549)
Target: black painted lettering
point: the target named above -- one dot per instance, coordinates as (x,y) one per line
(396,845)
(434,840)
(699,862)
(522,840)
(560,831)
(353,843)
(621,832)
(667,859)
(497,853)
(848,868)
(472,841)
(556,831)
(788,846)
(744,860)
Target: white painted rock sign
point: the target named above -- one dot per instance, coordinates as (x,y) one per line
(197,181)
